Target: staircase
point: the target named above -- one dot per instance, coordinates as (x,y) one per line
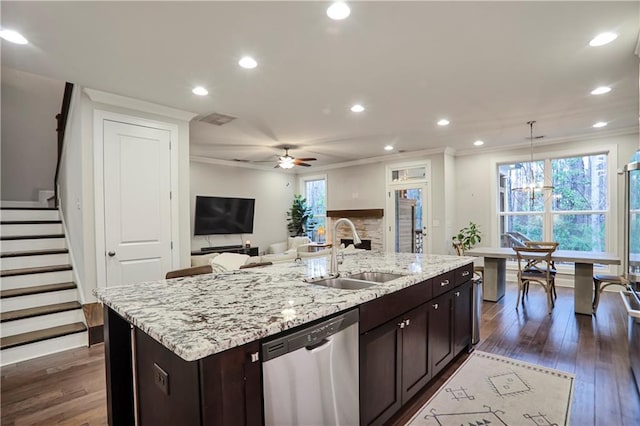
(39,308)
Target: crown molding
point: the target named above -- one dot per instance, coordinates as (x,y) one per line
(138,105)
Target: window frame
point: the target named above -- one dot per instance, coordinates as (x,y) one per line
(546,155)
(302,186)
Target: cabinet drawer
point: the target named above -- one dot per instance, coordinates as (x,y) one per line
(443,283)
(383,309)
(464,274)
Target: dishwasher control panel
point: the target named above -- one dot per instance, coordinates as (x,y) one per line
(309,337)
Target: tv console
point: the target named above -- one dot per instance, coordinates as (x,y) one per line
(251,251)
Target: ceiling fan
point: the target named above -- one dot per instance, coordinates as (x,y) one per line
(286,161)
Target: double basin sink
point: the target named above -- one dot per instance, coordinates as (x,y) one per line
(356,281)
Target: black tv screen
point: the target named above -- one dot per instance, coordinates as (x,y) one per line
(220,215)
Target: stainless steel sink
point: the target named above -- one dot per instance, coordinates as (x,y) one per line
(343,283)
(377,277)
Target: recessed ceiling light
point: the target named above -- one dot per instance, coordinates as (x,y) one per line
(388,148)
(602,39)
(13,36)
(443,122)
(357,108)
(247,62)
(601,90)
(200,91)
(600,124)
(478,143)
(338,10)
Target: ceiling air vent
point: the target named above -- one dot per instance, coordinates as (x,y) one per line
(216,119)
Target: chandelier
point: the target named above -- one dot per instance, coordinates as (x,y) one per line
(532,185)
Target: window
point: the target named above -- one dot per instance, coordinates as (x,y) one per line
(571,207)
(315,191)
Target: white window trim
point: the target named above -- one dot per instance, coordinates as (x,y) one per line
(611,150)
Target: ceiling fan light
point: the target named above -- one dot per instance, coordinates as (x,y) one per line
(247,62)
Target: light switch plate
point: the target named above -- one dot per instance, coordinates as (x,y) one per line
(161,378)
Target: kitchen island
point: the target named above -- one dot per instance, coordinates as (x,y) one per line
(193,343)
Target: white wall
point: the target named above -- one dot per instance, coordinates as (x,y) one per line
(272,190)
(29,140)
(363,186)
(77,188)
(475,182)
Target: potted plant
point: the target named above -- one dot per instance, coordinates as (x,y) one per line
(299,217)
(466,238)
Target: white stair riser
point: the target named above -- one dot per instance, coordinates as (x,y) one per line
(32,244)
(29,215)
(22,204)
(40,299)
(30,280)
(26,325)
(20,262)
(35,229)
(45,347)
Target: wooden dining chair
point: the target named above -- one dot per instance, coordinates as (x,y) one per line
(187,272)
(601,281)
(545,244)
(535,265)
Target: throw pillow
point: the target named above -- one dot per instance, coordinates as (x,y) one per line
(230,261)
(203,259)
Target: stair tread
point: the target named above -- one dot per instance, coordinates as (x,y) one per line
(39,335)
(38,289)
(36,270)
(33,252)
(28,208)
(30,237)
(39,310)
(29,222)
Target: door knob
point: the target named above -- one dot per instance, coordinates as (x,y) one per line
(111,253)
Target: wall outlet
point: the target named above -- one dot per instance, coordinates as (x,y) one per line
(161,378)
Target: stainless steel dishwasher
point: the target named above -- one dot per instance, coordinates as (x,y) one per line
(310,376)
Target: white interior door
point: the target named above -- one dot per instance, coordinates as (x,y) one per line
(137,204)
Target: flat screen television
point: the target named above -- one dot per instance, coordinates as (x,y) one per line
(223,215)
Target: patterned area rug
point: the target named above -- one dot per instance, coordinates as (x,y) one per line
(494,390)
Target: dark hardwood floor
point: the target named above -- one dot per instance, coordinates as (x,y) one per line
(69,388)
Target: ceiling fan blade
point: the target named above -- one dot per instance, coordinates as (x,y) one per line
(303,164)
(306,159)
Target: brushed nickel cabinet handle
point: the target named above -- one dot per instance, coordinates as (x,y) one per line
(457,293)
(408,322)
(435,306)
(444,283)
(465,273)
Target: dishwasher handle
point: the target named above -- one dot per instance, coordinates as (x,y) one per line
(321,343)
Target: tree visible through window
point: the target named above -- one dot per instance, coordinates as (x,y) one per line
(316,195)
(573,210)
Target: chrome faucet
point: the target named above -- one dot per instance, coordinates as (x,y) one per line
(334,247)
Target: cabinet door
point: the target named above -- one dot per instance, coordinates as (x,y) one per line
(440,331)
(231,387)
(416,364)
(462,299)
(380,378)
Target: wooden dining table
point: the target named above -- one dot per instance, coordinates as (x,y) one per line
(495,261)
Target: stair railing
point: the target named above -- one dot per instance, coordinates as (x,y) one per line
(61,119)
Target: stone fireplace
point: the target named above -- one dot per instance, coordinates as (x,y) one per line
(369,224)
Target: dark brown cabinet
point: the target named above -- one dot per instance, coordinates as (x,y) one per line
(221,389)
(404,345)
(394,365)
(441,331)
(380,380)
(462,308)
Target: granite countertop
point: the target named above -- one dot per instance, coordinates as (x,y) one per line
(205,314)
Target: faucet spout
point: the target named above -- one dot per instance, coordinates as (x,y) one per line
(334,248)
